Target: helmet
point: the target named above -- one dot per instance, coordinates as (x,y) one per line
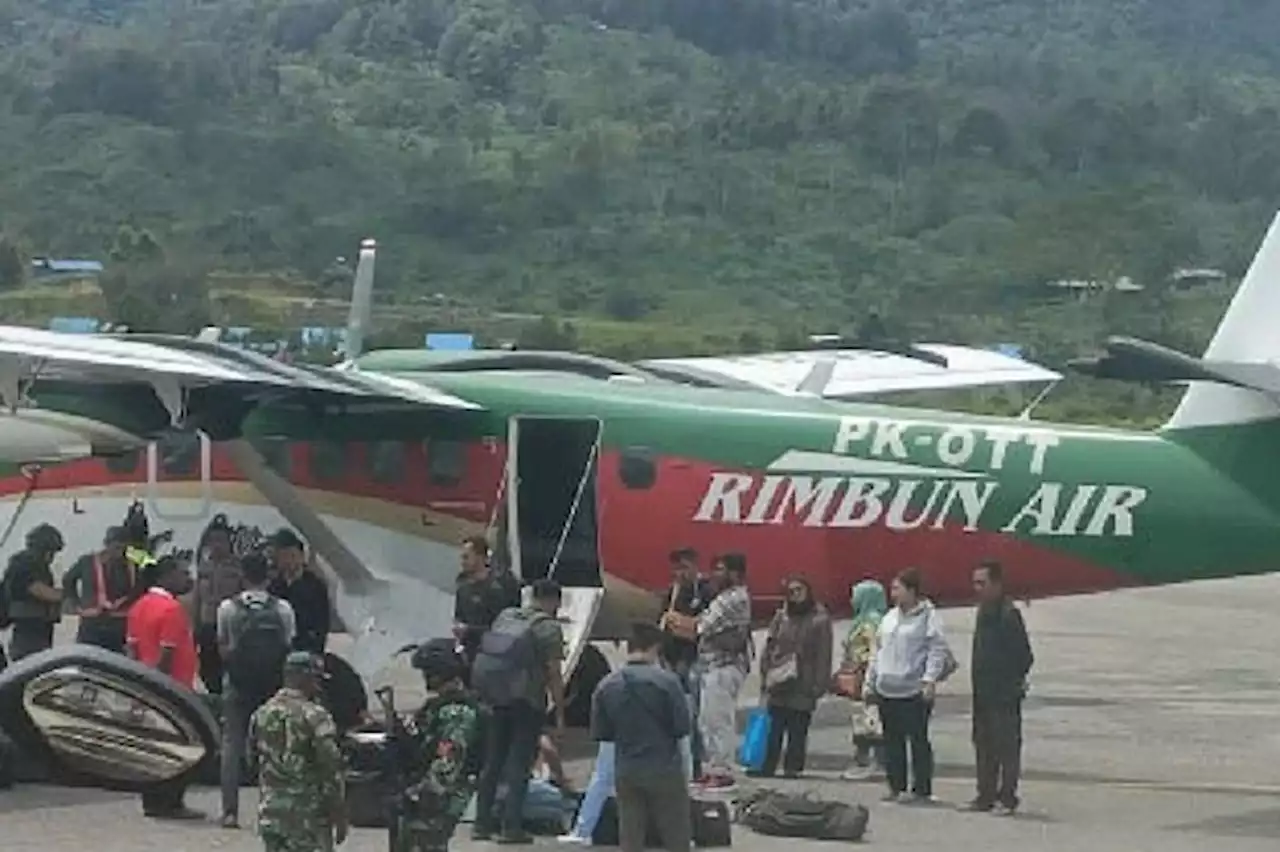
(45,538)
(439,660)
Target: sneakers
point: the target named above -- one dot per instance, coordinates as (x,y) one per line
(230,821)
(1005,810)
(574,840)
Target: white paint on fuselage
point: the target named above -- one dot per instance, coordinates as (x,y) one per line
(416,602)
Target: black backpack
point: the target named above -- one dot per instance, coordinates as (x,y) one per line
(256,664)
(507,659)
(778,814)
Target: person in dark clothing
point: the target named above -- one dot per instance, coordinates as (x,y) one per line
(687,596)
(1002,659)
(35,604)
(482,593)
(305,592)
(641,708)
(100,587)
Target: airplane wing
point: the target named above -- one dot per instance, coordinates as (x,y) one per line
(113,391)
(851,373)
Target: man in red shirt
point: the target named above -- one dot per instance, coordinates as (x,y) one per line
(160,636)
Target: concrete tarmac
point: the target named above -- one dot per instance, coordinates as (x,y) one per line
(1152,726)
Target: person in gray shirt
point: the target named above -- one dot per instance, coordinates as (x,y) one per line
(641,708)
(255,633)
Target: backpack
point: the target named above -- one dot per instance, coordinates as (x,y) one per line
(507,659)
(778,814)
(256,665)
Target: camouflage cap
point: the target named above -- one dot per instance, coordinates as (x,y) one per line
(304,662)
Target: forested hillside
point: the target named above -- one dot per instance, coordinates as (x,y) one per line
(766,166)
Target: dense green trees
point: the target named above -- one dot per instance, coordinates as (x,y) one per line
(720,163)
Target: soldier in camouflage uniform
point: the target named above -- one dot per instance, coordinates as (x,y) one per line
(447,734)
(302,807)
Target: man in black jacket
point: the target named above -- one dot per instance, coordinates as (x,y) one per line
(1002,659)
(482,592)
(306,593)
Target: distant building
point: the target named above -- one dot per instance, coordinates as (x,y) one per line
(450,341)
(1123,284)
(75,325)
(1187,279)
(47,267)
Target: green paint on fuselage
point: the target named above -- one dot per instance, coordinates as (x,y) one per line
(1155,507)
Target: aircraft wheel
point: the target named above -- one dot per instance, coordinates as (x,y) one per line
(592,668)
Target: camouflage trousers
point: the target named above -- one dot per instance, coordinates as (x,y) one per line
(426,835)
(304,842)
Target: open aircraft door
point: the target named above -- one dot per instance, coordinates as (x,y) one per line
(551,512)
(179,477)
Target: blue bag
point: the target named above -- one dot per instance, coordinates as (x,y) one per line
(755,739)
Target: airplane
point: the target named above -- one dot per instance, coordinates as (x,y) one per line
(592,470)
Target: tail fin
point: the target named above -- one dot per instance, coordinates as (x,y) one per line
(1249,332)
(361,301)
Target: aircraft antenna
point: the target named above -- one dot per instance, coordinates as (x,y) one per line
(1025,414)
(361,302)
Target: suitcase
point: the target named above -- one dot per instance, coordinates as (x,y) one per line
(712,824)
(364,753)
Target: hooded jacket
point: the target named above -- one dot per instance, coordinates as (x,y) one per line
(911,651)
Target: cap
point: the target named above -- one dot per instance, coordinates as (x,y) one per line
(116,535)
(304,662)
(285,537)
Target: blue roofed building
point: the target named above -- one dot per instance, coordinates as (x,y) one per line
(75,325)
(48,267)
(450,341)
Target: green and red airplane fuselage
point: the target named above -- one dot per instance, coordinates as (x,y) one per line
(835,492)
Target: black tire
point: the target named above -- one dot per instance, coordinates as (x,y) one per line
(345,695)
(592,668)
(165,696)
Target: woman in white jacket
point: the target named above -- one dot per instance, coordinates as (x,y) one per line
(911,659)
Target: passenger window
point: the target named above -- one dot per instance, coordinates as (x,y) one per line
(328,461)
(387,462)
(637,468)
(124,463)
(275,452)
(446,462)
(178,454)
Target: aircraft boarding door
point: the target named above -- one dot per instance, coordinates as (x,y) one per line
(179,477)
(551,527)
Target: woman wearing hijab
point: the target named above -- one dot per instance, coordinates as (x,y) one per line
(869,606)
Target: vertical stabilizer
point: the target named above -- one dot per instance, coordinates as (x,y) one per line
(361,302)
(1249,332)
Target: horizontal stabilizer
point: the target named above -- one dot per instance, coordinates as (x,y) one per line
(1131,360)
